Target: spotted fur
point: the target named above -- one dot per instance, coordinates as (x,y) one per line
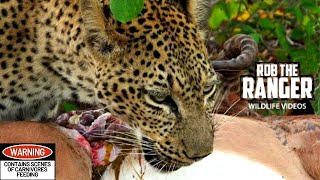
(152,72)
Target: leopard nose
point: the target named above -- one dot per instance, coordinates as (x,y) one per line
(197,151)
(197,158)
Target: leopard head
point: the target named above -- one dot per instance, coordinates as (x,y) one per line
(154,74)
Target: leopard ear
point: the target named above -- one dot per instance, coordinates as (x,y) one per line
(100,28)
(198,11)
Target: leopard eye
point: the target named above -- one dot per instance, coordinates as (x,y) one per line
(162,99)
(157,96)
(208,88)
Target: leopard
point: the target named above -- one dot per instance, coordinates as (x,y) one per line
(152,72)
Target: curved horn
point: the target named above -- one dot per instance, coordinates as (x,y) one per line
(239,53)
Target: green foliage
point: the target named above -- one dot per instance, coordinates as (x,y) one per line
(288,31)
(126,10)
(67,107)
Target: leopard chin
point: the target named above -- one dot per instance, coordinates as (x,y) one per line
(161,162)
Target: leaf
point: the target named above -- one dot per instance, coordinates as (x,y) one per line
(306,20)
(126,10)
(269,2)
(281,54)
(255,6)
(299,15)
(217,17)
(244,16)
(308,59)
(236,30)
(262,14)
(310,6)
(297,34)
(256,37)
(278,12)
(67,107)
(310,28)
(281,35)
(247,29)
(265,23)
(232,8)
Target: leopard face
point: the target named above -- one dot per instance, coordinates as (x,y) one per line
(162,83)
(152,72)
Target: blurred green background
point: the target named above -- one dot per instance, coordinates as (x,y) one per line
(285,30)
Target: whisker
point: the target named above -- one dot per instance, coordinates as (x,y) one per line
(115,137)
(162,167)
(171,166)
(240,112)
(153,160)
(218,104)
(130,144)
(174,166)
(134,141)
(155,165)
(233,104)
(145,147)
(122,133)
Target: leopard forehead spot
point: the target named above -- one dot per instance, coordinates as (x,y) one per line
(150,72)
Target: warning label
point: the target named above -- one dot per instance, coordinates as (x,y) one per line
(27,161)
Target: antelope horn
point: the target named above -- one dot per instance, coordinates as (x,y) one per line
(241,46)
